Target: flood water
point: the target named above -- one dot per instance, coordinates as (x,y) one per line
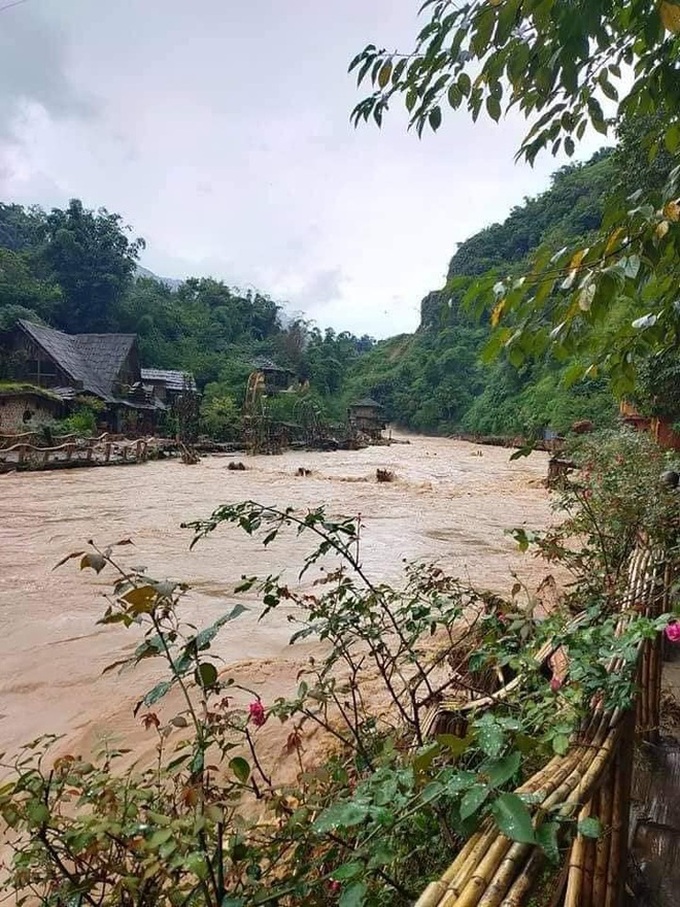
(448,504)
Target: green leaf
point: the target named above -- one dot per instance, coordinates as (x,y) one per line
(354,896)
(205,637)
(456,745)
(431,791)
(501,771)
(348,871)
(472,800)
(241,768)
(341,815)
(153,696)
(489,736)
(160,837)
(493,108)
(425,758)
(435,118)
(546,836)
(513,818)
(205,675)
(560,744)
(385,73)
(590,828)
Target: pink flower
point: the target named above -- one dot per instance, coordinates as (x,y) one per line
(334,887)
(257,713)
(555,683)
(673,632)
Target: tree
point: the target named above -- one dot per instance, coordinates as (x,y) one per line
(562,64)
(91,257)
(22,295)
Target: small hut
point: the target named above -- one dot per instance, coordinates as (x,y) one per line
(276,379)
(24,407)
(366,417)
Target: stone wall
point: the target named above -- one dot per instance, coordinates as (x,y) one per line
(15,407)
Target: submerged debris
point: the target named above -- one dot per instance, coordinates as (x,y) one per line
(384,475)
(234,465)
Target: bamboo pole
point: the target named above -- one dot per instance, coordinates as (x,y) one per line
(505,875)
(524,883)
(616,871)
(577,863)
(599,890)
(589,858)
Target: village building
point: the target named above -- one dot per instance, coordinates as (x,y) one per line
(168,384)
(660,429)
(23,406)
(276,379)
(65,368)
(366,417)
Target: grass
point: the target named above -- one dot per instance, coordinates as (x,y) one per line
(15,388)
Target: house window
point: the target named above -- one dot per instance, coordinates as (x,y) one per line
(41,371)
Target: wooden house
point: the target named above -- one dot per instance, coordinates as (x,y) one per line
(168,384)
(366,417)
(276,379)
(72,366)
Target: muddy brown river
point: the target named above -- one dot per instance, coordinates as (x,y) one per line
(448,504)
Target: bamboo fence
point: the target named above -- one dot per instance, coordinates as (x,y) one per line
(592,778)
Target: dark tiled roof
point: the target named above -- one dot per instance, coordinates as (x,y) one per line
(93,360)
(264,363)
(104,354)
(171,378)
(367,401)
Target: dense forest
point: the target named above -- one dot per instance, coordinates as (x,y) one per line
(77,270)
(437,379)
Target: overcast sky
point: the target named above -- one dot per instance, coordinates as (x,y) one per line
(220,131)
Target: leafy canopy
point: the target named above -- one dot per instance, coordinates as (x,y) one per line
(566,65)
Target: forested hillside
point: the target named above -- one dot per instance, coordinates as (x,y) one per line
(77,271)
(436,380)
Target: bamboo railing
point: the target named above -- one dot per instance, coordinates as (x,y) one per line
(591,779)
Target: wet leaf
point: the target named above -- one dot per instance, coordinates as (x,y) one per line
(94,561)
(513,818)
(590,828)
(472,800)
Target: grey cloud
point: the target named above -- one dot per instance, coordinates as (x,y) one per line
(33,70)
(323,287)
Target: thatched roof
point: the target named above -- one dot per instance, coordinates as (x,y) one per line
(92,360)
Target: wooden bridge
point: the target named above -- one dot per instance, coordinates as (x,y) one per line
(30,452)
(592,779)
